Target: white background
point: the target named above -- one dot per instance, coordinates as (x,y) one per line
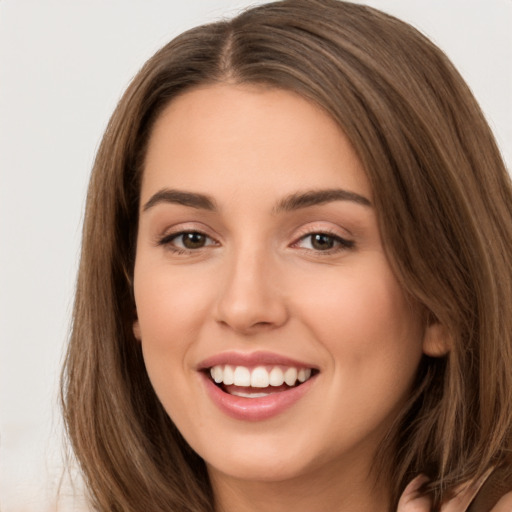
(63,66)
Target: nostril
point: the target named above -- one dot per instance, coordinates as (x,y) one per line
(249,305)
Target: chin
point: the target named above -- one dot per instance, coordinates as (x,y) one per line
(263,469)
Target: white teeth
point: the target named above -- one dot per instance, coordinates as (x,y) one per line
(242,376)
(290,376)
(276,377)
(304,374)
(217,374)
(229,375)
(258,377)
(248,395)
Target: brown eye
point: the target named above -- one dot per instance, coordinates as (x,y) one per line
(322,242)
(193,240)
(187,241)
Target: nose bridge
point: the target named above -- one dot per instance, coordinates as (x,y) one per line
(250,298)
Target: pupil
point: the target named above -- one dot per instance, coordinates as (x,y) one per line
(193,240)
(322,242)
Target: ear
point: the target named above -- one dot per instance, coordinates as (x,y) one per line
(136,328)
(436,340)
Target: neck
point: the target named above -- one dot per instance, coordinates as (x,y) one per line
(335,490)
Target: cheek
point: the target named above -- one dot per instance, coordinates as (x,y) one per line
(170,305)
(170,310)
(372,336)
(369,328)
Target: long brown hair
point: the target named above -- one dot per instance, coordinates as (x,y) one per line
(443,200)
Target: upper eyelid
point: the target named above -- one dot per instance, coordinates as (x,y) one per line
(176,234)
(346,242)
(345,239)
(342,244)
(296,235)
(324,232)
(312,228)
(185,227)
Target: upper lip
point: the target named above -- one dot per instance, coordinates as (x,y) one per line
(252,359)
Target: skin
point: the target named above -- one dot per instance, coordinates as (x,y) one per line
(259,282)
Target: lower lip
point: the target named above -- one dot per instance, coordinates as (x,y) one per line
(255,409)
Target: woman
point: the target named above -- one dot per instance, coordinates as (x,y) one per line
(294,288)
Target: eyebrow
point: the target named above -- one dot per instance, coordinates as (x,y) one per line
(316,197)
(290,203)
(191,199)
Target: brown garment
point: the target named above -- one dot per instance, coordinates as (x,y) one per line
(498,484)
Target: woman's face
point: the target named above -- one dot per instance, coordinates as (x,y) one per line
(259,257)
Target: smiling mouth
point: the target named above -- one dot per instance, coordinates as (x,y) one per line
(259,381)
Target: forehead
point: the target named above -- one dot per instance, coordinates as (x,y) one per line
(227,136)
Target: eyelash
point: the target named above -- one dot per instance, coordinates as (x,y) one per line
(341,244)
(168,241)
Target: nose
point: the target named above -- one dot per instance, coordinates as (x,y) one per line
(251,299)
